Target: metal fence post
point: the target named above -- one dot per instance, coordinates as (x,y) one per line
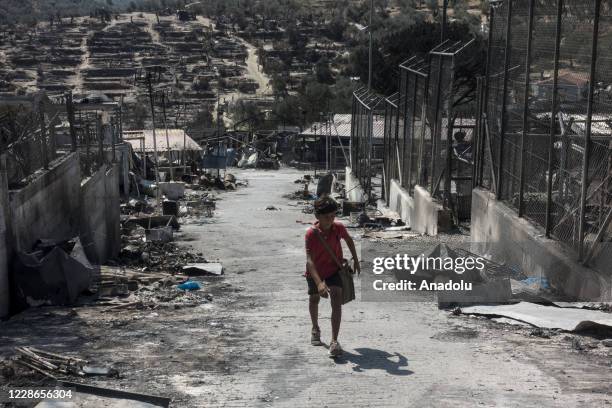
(399,156)
(70,111)
(485,105)
(521,203)
(43,135)
(420,176)
(449,139)
(502,132)
(113,127)
(478,159)
(587,136)
(368,163)
(412,121)
(100,137)
(52,142)
(386,156)
(120,136)
(404,81)
(435,138)
(87,148)
(353,127)
(553,120)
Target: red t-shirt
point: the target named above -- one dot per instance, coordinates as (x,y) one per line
(323,261)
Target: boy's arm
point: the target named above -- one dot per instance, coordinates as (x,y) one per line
(314,274)
(351,245)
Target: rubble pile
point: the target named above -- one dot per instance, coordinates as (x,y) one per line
(135,206)
(156,256)
(251,158)
(52,364)
(197,205)
(303,194)
(123,289)
(208,181)
(165,294)
(120,282)
(52,273)
(146,241)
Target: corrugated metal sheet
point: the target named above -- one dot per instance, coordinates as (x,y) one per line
(342,126)
(176,137)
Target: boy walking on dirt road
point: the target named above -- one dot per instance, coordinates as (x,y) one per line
(322,270)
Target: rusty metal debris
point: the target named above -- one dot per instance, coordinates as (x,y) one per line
(114,393)
(207,268)
(53,273)
(53,365)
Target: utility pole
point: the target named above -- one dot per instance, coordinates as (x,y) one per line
(121,120)
(444,20)
(70,111)
(167,137)
(219,120)
(43,136)
(156,169)
(329,142)
(370,47)
(100,137)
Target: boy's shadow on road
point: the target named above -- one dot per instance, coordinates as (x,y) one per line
(372,359)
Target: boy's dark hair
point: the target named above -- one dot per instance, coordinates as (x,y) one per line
(325,205)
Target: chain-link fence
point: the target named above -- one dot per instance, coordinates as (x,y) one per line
(367,136)
(36,131)
(546,131)
(429,127)
(29,139)
(393,145)
(413,88)
(97,130)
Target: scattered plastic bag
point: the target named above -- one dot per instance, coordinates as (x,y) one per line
(189,286)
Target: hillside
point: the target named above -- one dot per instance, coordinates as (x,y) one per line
(29,11)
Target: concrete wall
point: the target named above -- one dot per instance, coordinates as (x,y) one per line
(58,206)
(48,206)
(123,152)
(124,165)
(401,202)
(99,214)
(421,212)
(353,189)
(4,279)
(499,234)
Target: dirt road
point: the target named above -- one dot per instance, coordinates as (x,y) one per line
(398,354)
(249,346)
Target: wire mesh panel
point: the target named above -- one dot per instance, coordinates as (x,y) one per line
(494,95)
(510,137)
(451,105)
(537,116)
(393,146)
(462,149)
(29,133)
(548,117)
(403,106)
(431,141)
(572,93)
(440,142)
(40,130)
(367,129)
(598,200)
(413,88)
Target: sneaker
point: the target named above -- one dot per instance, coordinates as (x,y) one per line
(334,349)
(315,337)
